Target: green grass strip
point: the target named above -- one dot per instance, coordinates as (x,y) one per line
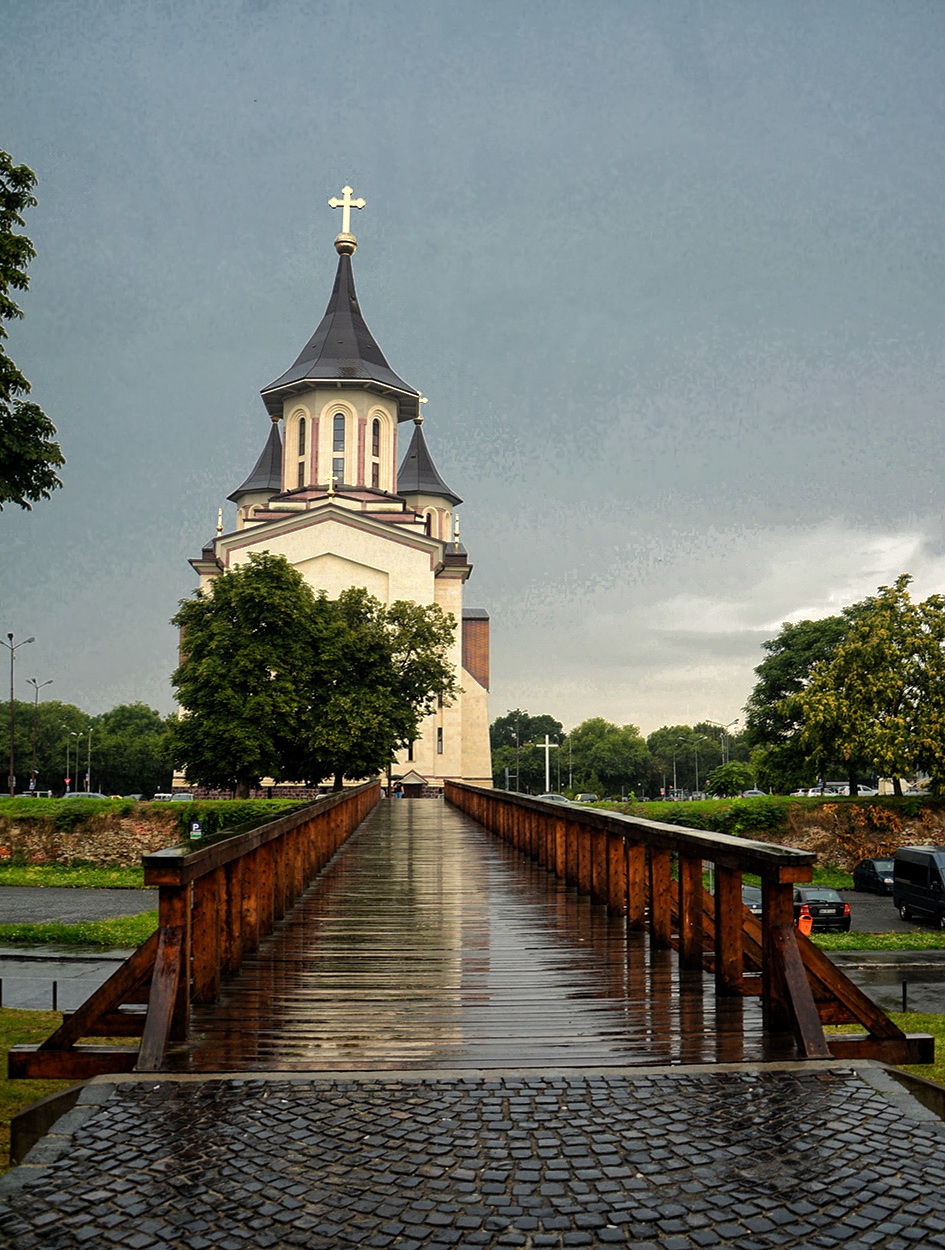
(72,875)
(123,931)
(919,940)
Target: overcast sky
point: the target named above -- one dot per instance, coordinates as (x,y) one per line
(670,273)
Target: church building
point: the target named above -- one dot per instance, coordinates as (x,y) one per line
(327,494)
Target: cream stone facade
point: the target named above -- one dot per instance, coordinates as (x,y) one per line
(327,494)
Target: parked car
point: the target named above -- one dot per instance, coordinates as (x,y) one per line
(875,876)
(162,798)
(754,794)
(918,890)
(553,798)
(825,907)
(183,797)
(751,897)
(585,798)
(85,794)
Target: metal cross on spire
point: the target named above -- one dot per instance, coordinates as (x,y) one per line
(346,204)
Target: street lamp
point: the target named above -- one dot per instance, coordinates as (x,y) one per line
(695,747)
(78,738)
(725,735)
(678,743)
(13,650)
(37,686)
(88,761)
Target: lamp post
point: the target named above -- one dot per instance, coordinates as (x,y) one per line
(678,743)
(88,761)
(67,777)
(695,747)
(13,648)
(78,738)
(37,686)
(724,735)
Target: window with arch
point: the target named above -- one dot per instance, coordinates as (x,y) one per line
(301,432)
(376,453)
(428,524)
(338,448)
(301,436)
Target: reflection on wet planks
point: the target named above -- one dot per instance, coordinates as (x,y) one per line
(429,944)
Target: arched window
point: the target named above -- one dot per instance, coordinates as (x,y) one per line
(301,436)
(376,439)
(428,524)
(338,448)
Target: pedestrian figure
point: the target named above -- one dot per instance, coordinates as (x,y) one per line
(398,791)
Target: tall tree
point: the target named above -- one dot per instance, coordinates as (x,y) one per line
(608,757)
(881,697)
(28,455)
(276,682)
(774,721)
(245,663)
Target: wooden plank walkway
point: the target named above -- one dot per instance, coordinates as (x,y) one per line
(428,944)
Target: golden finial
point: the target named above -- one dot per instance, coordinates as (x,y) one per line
(219,520)
(345,242)
(456,528)
(418,419)
(331,486)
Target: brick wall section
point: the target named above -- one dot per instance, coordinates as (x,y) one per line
(476,644)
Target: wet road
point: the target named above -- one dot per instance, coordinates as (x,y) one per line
(28,904)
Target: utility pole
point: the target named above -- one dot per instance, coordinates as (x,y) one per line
(37,686)
(13,650)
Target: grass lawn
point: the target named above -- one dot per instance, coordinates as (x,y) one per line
(72,875)
(123,931)
(918,940)
(18,1028)
(911,1022)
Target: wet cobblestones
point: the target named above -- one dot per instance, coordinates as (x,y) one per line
(658,1161)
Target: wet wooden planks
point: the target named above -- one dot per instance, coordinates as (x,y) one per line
(430,944)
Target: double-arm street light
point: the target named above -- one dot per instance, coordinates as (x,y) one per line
(37,686)
(725,735)
(78,738)
(13,648)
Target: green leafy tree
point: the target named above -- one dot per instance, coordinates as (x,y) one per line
(881,697)
(729,779)
(774,721)
(55,721)
(129,755)
(246,663)
(512,738)
(376,673)
(607,757)
(28,455)
(276,682)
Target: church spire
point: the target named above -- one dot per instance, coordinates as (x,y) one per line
(266,477)
(342,351)
(418,475)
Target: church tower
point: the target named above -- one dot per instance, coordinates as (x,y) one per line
(327,494)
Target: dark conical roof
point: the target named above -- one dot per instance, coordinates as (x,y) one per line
(342,349)
(418,475)
(267,475)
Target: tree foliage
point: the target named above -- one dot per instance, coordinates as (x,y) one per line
(275,681)
(880,699)
(608,758)
(28,455)
(729,779)
(127,755)
(512,738)
(774,721)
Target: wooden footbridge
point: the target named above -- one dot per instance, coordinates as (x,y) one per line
(489,931)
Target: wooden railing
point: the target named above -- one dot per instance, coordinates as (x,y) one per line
(215,903)
(628,864)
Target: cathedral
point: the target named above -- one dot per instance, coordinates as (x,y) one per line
(327,494)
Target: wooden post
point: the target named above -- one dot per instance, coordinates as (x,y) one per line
(174,913)
(777,908)
(598,842)
(636,886)
(209,894)
(729,919)
(584,860)
(233,920)
(561,849)
(690,912)
(661,904)
(616,875)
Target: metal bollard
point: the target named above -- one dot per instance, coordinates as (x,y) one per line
(55,995)
(905,995)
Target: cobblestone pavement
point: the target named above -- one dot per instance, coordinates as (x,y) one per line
(656,1159)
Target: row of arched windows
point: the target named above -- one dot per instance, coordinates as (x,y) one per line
(339,457)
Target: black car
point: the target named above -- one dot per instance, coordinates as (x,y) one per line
(874,876)
(751,897)
(824,906)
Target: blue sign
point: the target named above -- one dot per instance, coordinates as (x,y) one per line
(196,831)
